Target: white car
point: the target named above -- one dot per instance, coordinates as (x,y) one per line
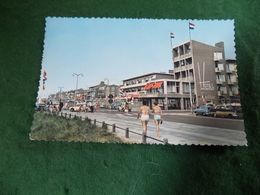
(79,108)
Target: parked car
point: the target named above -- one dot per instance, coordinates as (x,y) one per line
(238,110)
(204,110)
(225,113)
(41,107)
(115,105)
(80,107)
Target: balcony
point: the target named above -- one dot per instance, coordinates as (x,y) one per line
(218,70)
(228,71)
(231,93)
(221,93)
(219,82)
(182,68)
(181,57)
(235,93)
(188,79)
(231,81)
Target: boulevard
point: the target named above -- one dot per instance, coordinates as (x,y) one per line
(178,128)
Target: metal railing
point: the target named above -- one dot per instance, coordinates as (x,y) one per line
(105,125)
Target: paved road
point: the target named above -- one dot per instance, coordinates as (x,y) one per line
(188,118)
(175,132)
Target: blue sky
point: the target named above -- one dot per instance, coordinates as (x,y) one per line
(117,49)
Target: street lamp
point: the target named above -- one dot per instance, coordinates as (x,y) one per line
(60,92)
(77,75)
(107,80)
(165,87)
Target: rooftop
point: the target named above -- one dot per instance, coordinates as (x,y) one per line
(145,75)
(196,42)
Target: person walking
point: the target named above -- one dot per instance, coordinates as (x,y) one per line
(143,114)
(126,107)
(91,106)
(157,117)
(97,106)
(60,106)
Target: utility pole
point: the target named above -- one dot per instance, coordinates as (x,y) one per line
(77,75)
(60,88)
(107,80)
(165,87)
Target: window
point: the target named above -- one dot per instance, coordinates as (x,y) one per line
(186,88)
(171,88)
(233,78)
(221,78)
(223,89)
(235,90)
(218,56)
(220,67)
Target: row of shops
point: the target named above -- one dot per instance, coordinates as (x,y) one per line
(161,87)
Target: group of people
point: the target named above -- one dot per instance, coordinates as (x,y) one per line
(55,108)
(144,115)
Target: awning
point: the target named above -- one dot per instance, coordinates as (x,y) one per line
(153,85)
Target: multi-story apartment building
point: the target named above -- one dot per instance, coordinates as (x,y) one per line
(204,68)
(231,84)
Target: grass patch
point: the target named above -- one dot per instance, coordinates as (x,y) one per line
(55,128)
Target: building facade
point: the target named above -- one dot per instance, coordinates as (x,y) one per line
(160,87)
(78,95)
(200,75)
(203,67)
(102,91)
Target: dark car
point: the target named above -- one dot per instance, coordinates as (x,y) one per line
(115,105)
(204,110)
(41,107)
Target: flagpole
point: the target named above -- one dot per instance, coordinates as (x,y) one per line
(166,94)
(171,37)
(189,33)
(189,74)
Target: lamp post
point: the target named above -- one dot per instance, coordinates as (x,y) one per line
(60,88)
(165,87)
(77,75)
(107,85)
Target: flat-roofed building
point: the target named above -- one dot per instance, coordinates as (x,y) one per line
(102,90)
(204,68)
(160,87)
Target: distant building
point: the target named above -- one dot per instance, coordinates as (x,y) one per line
(65,96)
(102,91)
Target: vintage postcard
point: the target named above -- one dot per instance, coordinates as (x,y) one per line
(139,81)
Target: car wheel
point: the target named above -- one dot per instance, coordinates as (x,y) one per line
(72,109)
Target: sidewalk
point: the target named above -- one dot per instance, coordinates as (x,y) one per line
(176,133)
